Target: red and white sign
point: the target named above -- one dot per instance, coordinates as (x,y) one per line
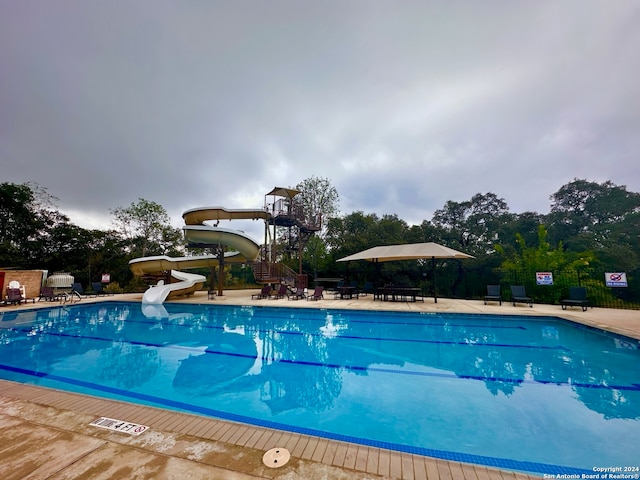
(544,278)
(615,279)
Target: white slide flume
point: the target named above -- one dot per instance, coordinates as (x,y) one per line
(205,235)
(187,282)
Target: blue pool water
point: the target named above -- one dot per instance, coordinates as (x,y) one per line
(533,394)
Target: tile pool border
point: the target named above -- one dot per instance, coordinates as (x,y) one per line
(149,400)
(441,454)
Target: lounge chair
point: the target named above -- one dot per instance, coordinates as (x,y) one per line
(98,289)
(281,292)
(14,284)
(79,290)
(577,298)
(519,295)
(47,293)
(297,295)
(264,293)
(317,294)
(367,288)
(14,295)
(493,294)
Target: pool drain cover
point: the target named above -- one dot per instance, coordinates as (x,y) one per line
(276,457)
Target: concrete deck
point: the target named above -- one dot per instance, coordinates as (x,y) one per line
(45,433)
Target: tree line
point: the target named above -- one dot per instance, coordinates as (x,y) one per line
(590,227)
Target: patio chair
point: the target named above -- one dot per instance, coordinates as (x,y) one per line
(297,295)
(519,295)
(264,293)
(367,288)
(317,294)
(47,293)
(99,289)
(79,290)
(281,293)
(14,295)
(577,298)
(493,294)
(16,285)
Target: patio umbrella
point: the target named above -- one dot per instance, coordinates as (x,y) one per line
(408,251)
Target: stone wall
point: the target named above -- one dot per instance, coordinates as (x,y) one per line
(31,279)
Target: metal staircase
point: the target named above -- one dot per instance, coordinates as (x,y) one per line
(295,230)
(267,272)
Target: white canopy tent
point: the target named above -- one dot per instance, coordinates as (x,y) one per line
(408,251)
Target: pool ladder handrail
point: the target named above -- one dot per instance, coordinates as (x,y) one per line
(68,297)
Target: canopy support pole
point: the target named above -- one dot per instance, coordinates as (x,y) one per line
(220,271)
(433,272)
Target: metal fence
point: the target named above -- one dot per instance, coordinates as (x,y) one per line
(455,279)
(458,282)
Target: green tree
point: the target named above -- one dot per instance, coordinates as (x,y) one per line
(526,225)
(357,231)
(316,257)
(318,199)
(584,205)
(425,232)
(540,257)
(602,217)
(145,227)
(473,226)
(28,223)
(526,260)
(67,247)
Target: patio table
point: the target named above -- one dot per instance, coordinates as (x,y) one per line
(398,294)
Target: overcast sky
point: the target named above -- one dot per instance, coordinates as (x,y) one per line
(402,105)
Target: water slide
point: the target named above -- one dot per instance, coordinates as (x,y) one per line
(185,283)
(199,234)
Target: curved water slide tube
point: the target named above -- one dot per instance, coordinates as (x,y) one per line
(198,216)
(184,284)
(246,249)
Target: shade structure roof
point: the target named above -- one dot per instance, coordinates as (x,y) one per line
(284,192)
(407,251)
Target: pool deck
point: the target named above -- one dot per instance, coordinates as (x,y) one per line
(45,433)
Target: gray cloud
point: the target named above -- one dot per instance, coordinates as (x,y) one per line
(402,105)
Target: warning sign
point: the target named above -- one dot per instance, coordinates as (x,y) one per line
(544,278)
(616,279)
(119,425)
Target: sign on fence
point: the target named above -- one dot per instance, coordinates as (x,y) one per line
(616,279)
(544,278)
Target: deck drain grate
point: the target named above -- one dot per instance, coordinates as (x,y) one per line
(276,457)
(119,425)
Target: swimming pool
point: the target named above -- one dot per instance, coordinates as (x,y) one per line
(534,394)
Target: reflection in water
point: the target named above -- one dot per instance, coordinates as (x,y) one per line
(259,349)
(322,366)
(228,357)
(127,366)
